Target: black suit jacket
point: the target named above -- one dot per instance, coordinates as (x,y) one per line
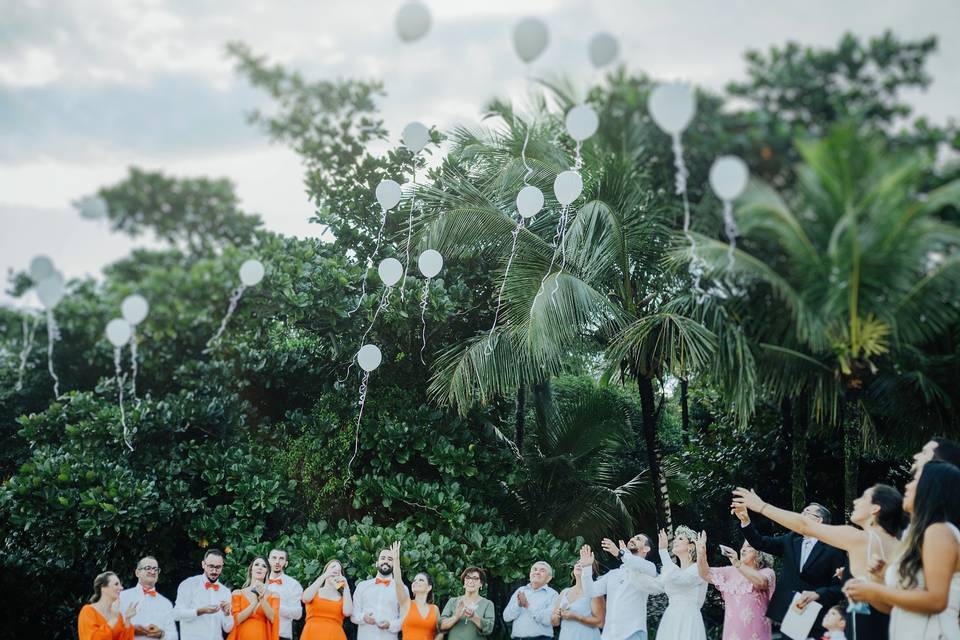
(818,573)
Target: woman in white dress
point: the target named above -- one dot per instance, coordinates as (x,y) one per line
(684,587)
(922,585)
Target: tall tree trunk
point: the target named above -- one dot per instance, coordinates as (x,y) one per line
(661,494)
(852,443)
(684,411)
(542,400)
(799,425)
(521,412)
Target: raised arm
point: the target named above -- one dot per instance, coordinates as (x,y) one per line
(403,596)
(843,536)
(771,544)
(347,600)
(311,591)
(702,566)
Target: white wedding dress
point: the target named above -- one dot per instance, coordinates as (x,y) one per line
(686,591)
(907,625)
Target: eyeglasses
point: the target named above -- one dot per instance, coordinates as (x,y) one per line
(155,569)
(472,578)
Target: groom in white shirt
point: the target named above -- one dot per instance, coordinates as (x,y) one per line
(376,610)
(154,617)
(626,587)
(287,589)
(203,604)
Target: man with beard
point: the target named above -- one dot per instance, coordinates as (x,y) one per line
(376,610)
(626,587)
(154,618)
(203,604)
(287,589)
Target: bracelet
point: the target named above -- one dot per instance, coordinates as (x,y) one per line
(765,505)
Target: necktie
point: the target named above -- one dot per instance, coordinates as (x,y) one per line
(275,581)
(805,549)
(383,581)
(150,592)
(211,585)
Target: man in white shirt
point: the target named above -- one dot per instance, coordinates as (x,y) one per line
(531,605)
(287,589)
(376,610)
(626,587)
(154,617)
(203,604)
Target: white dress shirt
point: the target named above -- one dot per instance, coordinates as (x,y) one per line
(627,589)
(805,548)
(154,609)
(534,619)
(192,595)
(380,601)
(290,606)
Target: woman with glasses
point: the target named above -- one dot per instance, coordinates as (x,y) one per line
(470,616)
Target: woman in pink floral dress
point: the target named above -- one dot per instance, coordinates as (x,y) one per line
(746,586)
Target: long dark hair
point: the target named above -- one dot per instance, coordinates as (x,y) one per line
(890,501)
(429,582)
(935,501)
(99,583)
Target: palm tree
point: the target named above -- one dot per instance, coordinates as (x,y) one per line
(846,280)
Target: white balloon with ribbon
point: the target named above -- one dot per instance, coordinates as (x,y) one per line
(567,187)
(415,137)
(369,359)
(581,122)
(251,272)
(118,333)
(388,195)
(728,179)
(40,268)
(530,38)
(50,291)
(412,21)
(134,309)
(430,263)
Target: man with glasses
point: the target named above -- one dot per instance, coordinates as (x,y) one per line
(203,604)
(154,617)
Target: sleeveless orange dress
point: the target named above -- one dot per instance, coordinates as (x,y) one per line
(257,626)
(93,626)
(416,627)
(324,620)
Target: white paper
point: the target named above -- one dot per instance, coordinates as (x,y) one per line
(797,623)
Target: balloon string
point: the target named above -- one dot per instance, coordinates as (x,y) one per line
(127,436)
(523,153)
(234,299)
(383,306)
(423,316)
(578,160)
(488,349)
(133,364)
(376,250)
(28,337)
(53,334)
(363,400)
(413,199)
(562,245)
(730,227)
(696,264)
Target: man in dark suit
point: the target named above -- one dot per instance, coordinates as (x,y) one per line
(808,566)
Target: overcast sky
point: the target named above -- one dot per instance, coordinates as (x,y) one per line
(91,87)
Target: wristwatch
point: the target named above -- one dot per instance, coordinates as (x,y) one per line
(620,554)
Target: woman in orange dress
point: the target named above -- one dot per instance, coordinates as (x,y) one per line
(421,618)
(254,609)
(328,602)
(98,620)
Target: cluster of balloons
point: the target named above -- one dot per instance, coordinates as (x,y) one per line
(120,332)
(251,273)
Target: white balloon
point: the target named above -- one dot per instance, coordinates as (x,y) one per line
(430,263)
(529,201)
(567,187)
(251,272)
(582,122)
(530,38)
(728,177)
(390,271)
(603,49)
(672,106)
(412,21)
(415,136)
(92,207)
(50,290)
(40,268)
(119,332)
(369,357)
(388,194)
(134,309)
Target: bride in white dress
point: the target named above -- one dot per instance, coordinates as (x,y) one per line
(684,587)
(922,586)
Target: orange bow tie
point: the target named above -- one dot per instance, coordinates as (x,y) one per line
(275,581)
(212,585)
(383,581)
(150,592)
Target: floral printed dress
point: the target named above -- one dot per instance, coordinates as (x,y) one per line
(745,606)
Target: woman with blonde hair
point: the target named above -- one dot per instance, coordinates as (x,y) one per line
(579,615)
(684,587)
(98,620)
(329,602)
(255,610)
